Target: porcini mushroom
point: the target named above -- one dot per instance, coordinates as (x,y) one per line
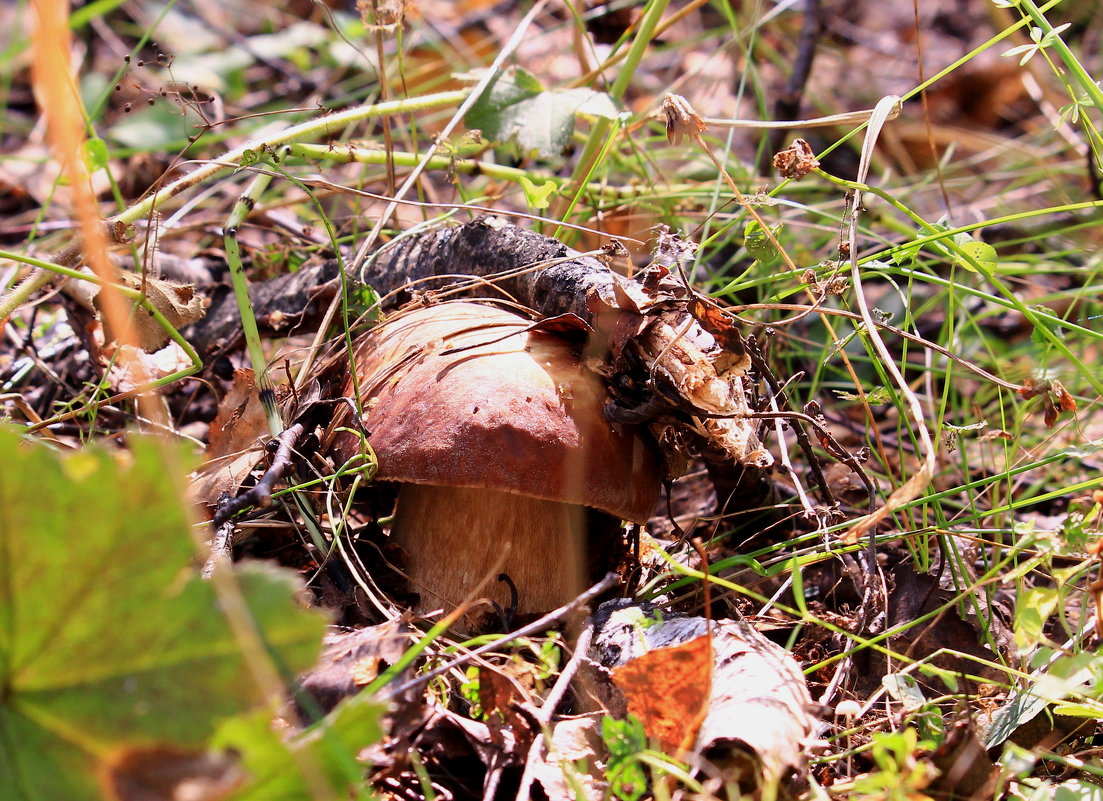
(498,438)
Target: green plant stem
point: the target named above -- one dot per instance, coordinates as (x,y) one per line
(242,207)
(311,129)
(614,129)
(231,160)
(196,363)
(947,241)
(28,286)
(1071,62)
(471,166)
(599,135)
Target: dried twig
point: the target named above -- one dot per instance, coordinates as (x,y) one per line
(537,626)
(547,711)
(261,493)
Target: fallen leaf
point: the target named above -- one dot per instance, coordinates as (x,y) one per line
(168,773)
(796,161)
(138,367)
(111,642)
(177,302)
(716,322)
(235,440)
(755,721)
(668,690)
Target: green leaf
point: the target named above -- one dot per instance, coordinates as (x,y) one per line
(109,641)
(1033,609)
(980,252)
(95,154)
(969,248)
(758,244)
(905,689)
(151,127)
(539,197)
(517,108)
(293,768)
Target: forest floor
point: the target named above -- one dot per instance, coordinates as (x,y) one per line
(832,267)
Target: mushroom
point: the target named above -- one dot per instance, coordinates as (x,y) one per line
(497,436)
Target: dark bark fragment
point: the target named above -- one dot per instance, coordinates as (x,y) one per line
(488,246)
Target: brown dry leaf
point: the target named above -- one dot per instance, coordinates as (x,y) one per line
(240,421)
(713,319)
(167,773)
(235,440)
(134,367)
(352,660)
(177,302)
(668,690)
(796,161)
(756,722)
(681,119)
(965,769)
(499,698)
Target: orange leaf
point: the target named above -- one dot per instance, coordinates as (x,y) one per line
(713,319)
(668,690)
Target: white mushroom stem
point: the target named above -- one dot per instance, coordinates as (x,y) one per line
(456,537)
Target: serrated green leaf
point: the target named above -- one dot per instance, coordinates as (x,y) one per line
(108,638)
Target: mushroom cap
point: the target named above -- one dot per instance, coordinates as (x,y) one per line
(513,411)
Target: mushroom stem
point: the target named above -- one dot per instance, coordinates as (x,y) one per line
(455,535)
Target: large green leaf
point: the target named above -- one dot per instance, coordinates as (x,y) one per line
(109,641)
(516,107)
(321,760)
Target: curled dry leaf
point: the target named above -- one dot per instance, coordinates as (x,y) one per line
(668,690)
(681,119)
(177,302)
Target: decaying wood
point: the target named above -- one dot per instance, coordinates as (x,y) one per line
(290,302)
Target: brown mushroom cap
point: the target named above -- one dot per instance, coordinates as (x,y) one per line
(513,411)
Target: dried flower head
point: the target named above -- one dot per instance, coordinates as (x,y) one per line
(796,161)
(681,119)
